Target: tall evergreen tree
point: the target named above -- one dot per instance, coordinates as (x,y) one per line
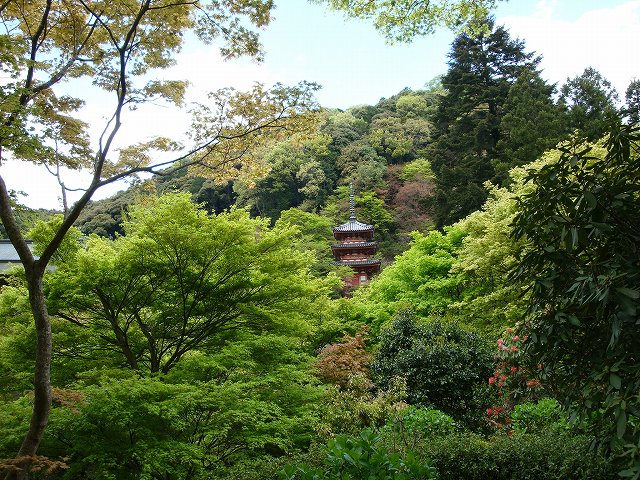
(590,100)
(531,123)
(482,69)
(632,97)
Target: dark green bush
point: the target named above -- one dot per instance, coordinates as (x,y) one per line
(445,367)
(519,457)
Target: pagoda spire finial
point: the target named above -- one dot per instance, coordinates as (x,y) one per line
(352,203)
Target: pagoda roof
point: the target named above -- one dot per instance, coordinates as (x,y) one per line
(353,225)
(354,245)
(356,262)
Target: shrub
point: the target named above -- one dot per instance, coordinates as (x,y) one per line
(514,380)
(545,414)
(445,367)
(359,457)
(411,425)
(346,363)
(547,456)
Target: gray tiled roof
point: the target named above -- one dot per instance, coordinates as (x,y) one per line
(356,262)
(8,255)
(353,225)
(354,245)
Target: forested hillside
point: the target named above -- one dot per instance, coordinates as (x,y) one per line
(200,329)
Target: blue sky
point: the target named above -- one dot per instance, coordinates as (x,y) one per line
(355,66)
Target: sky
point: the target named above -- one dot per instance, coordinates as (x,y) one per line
(354,66)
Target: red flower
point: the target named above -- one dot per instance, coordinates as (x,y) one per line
(492,380)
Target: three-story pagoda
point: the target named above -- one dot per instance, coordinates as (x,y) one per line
(354,247)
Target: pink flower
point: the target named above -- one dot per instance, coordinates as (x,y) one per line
(525,338)
(514,349)
(500,341)
(509,330)
(492,380)
(516,338)
(489,411)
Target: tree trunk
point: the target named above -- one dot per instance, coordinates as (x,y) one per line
(41,383)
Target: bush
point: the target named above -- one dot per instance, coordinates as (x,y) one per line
(547,456)
(359,457)
(444,366)
(412,425)
(546,414)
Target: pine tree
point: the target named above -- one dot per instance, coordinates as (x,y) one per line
(531,124)
(632,96)
(482,69)
(590,100)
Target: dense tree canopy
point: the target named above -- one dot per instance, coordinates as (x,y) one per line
(482,69)
(179,279)
(582,224)
(196,318)
(116,45)
(591,103)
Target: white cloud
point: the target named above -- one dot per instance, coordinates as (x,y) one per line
(604,38)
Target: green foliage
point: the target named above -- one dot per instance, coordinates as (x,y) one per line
(300,173)
(254,396)
(401,21)
(582,224)
(419,167)
(531,124)
(180,279)
(482,69)
(632,107)
(42,233)
(362,456)
(427,422)
(487,254)
(25,217)
(419,279)
(315,235)
(538,417)
(444,366)
(373,210)
(17,337)
(350,410)
(129,429)
(590,101)
(412,425)
(547,456)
